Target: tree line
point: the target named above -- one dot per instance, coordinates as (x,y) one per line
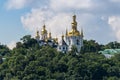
(29,61)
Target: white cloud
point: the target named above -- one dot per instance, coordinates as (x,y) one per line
(71,4)
(11,45)
(20,4)
(114,22)
(17,4)
(59,23)
(115,0)
(54,4)
(35,19)
(56,23)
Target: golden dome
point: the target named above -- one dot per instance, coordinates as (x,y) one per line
(37,35)
(49,35)
(44,31)
(74,33)
(56,40)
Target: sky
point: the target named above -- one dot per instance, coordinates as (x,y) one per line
(99,19)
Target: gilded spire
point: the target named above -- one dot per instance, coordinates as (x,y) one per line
(74,23)
(82,33)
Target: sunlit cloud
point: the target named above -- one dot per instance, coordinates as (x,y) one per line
(114,22)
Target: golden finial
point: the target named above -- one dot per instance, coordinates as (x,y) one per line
(44,26)
(74,18)
(62,37)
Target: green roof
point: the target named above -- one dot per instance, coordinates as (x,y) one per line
(110,51)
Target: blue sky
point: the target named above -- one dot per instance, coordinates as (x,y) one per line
(11,28)
(100,19)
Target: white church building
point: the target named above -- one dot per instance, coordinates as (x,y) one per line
(71,38)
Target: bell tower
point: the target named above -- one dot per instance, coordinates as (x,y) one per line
(74,37)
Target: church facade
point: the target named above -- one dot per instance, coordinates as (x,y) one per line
(70,39)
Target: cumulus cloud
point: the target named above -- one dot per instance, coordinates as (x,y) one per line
(35,20)
(54,4)
(115,0)
(16,4)
(114,22)
(59,23)
(19,4)
(71,4)
(11,45)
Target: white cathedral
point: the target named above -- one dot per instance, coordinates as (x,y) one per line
(72,38)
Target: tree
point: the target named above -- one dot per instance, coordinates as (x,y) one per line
(91,46)
(112,45)
(28,41)
(4,50)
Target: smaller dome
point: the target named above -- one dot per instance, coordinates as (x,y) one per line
(43,31)
(74,33)
(49,35)
(37,35)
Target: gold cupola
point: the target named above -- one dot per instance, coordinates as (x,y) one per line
(37,35)
(49,35)
(56,40)
(74,31)
(44,31)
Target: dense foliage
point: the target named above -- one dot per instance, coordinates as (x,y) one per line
(29,61)
(4,50)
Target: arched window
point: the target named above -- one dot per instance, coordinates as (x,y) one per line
(69,42)
(77,42)
(63,48)
(59,47)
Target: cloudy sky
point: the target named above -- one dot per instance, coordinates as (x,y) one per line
(100,19)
